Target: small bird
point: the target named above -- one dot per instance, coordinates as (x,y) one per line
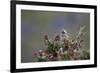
(64,35)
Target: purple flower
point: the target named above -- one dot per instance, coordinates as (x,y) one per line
(46,37)
(57,38)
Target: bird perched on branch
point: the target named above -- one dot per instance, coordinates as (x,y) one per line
(64,35)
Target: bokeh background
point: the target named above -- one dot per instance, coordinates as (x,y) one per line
(34,24)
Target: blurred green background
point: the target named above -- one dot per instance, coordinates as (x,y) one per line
(34,24)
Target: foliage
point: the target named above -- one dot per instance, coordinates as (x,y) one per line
(62,48)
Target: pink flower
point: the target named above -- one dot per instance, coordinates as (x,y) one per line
(46,37)
(57,38)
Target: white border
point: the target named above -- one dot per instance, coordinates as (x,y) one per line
(20,65)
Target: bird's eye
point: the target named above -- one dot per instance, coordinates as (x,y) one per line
(63,32)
